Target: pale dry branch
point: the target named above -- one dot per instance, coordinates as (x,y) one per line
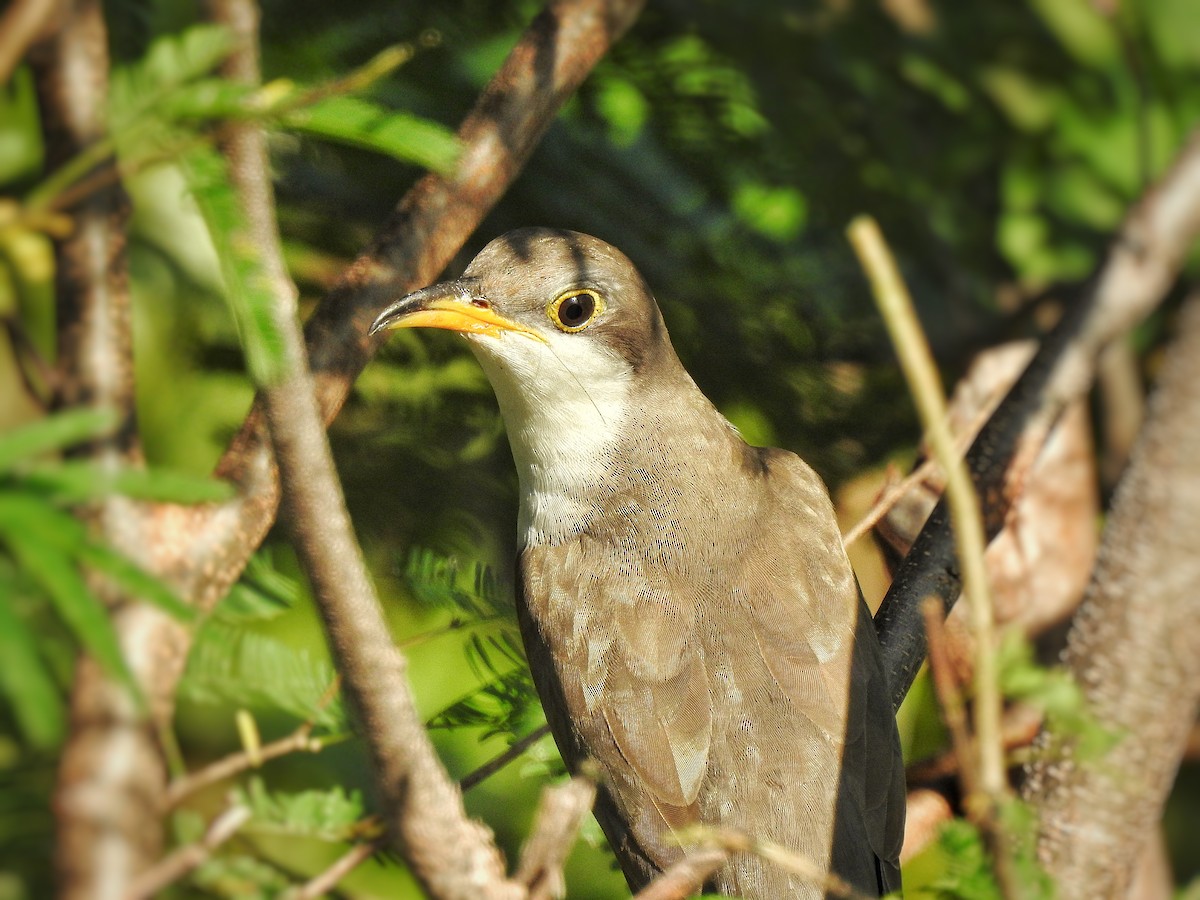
(733,841)
(916,361)
(451,855)
(20,26)
(686,877)
(202,551)
(179,862)
(555,827)
(326,881)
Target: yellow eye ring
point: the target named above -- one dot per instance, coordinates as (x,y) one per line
(575,310)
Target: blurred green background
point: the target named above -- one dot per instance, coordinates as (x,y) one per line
(723,147)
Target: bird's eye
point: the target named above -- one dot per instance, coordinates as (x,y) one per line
(575,310)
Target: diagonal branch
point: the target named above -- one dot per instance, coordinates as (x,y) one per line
(1142,264)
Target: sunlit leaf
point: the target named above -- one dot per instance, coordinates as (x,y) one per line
(261,594)
(32,532)
(239,667)
(361,123)
(171,61)
(53,433)
(333,814)
(27,683)
(247,283)
(78,481)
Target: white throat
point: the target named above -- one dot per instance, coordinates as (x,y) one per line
(564,406)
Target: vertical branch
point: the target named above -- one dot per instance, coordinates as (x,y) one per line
(1134,648)
(105,800)
(916,361)
(450,854)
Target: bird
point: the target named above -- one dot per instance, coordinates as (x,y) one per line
(690,616)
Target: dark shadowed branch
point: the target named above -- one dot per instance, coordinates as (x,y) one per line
(494,765)
(1143,262)
(20,25)
(1134,648)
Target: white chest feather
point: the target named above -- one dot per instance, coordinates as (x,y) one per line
(564,407)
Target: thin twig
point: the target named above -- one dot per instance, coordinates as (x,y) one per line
(494,765)
(916,360)
(950,701)
(29,358)
(686,877)
(326,881)
(1019,727)
(299,740)
(896,492)
(179,862)
(555,826)
(734,841)
(450,854)
(983,772)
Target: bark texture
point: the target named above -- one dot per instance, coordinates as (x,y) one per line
(1134,647)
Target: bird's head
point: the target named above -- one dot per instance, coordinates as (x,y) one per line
(568,333)
(539,294)
(562,323)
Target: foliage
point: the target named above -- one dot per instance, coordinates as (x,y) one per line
(721,146)
(48,555)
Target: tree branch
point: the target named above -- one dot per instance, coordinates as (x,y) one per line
(178,863)
(555,827)
(1134,648)
(451,855)
(106,798)
(201,551)
(1142,263)
(492,766)
(20,25)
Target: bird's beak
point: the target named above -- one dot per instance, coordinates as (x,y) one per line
(451,305)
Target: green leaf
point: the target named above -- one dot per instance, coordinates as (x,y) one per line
(331,814)
(361,123)
(498,707)
(247,284)
(75,482)
(35,534)
(261,594)
(243,668)
(55,433)
(27,682)
(170,62)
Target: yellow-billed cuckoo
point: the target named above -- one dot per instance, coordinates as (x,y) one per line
(688,609)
